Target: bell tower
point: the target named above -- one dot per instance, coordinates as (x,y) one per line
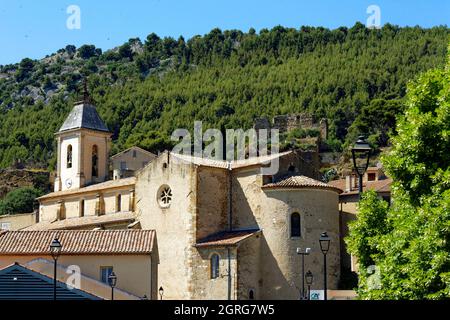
(83,147)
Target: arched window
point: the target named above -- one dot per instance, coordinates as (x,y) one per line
(69,156)
(295,225)
(214,261)
(118,203)
(94,161)
(81,208)
(251,295)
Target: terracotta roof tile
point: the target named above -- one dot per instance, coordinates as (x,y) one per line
(299,182)
(383,185)
(78,242)
(226,238)
(92,188)
(134,148)
(79,222)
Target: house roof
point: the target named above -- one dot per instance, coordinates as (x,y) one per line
(83,115)
(78,242)
(83,222)
(86,283)
(110,184)
(20,283)
(300,182)
(235,164)
(134,148)
(383,185)
(226,238)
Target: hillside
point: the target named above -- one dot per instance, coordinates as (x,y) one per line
(356,77)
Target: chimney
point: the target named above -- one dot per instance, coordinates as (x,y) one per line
(348,183)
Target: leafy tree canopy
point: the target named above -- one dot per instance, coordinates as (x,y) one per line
(19,201)
(409,242)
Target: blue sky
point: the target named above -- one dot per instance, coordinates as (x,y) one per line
(35,28)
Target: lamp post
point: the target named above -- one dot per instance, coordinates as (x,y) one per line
(309,280)
(324,241)
(303,254)
(55,251)
(112,279)
(361,153)
(161,292)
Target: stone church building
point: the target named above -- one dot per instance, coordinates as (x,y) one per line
(222,229)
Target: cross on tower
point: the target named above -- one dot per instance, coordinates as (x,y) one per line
(86,98)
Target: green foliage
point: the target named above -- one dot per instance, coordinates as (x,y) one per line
(409,242)
(88,51)
(225,79)
(375,121)
(19,201)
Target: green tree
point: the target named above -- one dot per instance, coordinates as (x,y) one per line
(19,201)
(87,51)
(409,244)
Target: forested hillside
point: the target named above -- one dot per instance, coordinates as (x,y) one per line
(143,90)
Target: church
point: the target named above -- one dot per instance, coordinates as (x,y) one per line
(215,229)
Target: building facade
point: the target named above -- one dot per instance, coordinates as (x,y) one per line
(225,229)
(225,233)
(126,163)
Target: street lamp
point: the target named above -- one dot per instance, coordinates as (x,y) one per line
(324,246)
(361,153)
(161,292)
(303,254)
(55,251)
(309,280)
(112,280)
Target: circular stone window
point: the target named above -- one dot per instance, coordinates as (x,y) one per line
(164,196)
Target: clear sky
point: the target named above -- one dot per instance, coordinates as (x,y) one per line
(35,28)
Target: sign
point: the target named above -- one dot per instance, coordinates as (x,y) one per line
(316,295)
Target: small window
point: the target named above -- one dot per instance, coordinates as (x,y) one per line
(164,196)
(214,261)
(251,295)
(5,226)
(69,156)
(118,203)
(94,161)
(123,165)
(82,208)
(371,177)
(295,225)
(104,273)
(134,153)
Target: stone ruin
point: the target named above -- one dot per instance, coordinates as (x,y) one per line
(286,123)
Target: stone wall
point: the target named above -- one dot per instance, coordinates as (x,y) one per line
(175,224)
(286,123)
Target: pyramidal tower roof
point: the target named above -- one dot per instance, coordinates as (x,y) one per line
(84,115)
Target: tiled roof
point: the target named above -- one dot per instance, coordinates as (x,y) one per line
(20,283)
(134,148)
(84,115)
(226,238)
(300,182)
(78,242)
(87,283)
(92,188)
(235,164)
(83,222)
(383,185)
